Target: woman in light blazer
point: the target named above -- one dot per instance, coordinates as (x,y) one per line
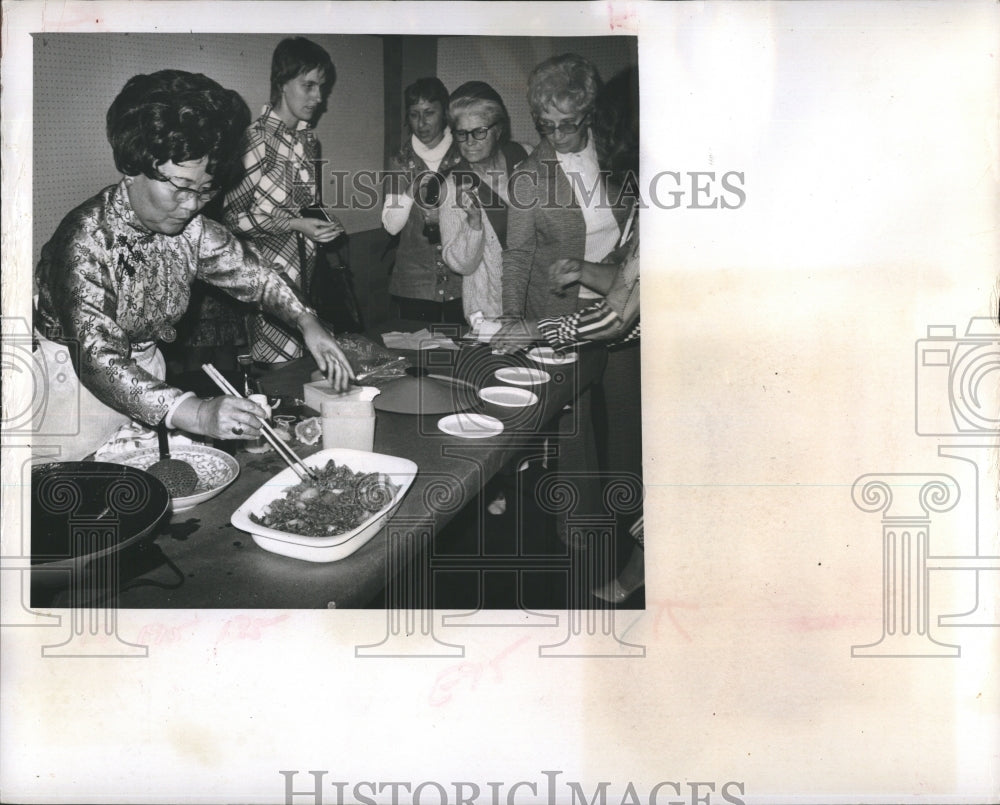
(561,205)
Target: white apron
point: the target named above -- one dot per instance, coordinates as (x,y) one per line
(69,417)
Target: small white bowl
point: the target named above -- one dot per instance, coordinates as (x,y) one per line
(548,355)
(508,396)
(216,470)
(402,471)
(522,375)
(470,426)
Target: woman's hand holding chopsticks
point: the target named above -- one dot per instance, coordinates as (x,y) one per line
(225,417)
(279,446)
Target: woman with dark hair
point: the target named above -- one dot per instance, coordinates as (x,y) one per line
(474,211)
(421,284)
(280,154)
(117,274)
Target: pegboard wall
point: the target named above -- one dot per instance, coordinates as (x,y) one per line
(77,76)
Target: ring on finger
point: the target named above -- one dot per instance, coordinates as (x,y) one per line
(238,430)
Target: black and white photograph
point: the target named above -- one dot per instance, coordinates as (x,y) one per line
(342,461)
(415,291)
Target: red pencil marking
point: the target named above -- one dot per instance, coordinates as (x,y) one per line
(448,680)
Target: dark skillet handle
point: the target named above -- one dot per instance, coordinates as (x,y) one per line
(161,437)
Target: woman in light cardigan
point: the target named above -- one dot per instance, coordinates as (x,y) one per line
(474,212)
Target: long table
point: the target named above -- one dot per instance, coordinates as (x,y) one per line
(200,560)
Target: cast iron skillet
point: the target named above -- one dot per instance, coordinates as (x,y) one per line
(82,510)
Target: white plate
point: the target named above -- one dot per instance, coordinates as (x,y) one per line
(216,470)
(549,355)
(522,375)
(470,426)
(508,396)
(324,549)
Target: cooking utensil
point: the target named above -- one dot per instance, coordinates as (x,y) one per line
(422,395)
(82,510)
(215,469)
(282,449)
(419,371)
(179,477)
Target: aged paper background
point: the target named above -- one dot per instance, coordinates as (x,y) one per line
(780,364)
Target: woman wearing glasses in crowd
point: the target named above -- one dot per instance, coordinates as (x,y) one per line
(117,274)
(421,284)
(474,211)
(280,154)
(613,316)
(561,206)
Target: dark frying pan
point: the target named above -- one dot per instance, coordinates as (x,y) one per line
(82,510)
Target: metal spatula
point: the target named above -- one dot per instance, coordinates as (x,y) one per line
(177,476)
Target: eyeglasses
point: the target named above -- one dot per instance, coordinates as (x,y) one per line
(546,128)
(184,194)
(461,135)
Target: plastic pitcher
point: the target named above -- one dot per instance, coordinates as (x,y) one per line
(349,419)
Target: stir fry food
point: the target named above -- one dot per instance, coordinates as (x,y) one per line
(337,502)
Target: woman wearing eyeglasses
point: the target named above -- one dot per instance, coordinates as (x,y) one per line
(474,212)
(280,153)
(117,274)
(612,316)
(560,204)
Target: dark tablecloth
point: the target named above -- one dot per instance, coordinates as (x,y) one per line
(200,560)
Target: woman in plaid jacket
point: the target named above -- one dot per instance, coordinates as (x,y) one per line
(280,154)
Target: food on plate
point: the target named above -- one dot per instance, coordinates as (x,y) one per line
(309,431)
(338,501)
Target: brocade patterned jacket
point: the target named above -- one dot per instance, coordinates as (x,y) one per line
(106,283)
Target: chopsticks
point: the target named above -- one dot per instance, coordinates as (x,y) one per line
(302,470)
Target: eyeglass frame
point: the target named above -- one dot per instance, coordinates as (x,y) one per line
(548,129)
(462,135)
(180,193)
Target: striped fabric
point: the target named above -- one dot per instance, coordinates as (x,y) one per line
(596,322)
(613,318)
(279,179)
(638,531)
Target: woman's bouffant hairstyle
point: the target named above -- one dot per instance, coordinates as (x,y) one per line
(174,116)
(568,82)
(295,56)
(480,97)
(428,89)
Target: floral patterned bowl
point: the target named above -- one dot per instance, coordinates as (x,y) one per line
(216,470)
